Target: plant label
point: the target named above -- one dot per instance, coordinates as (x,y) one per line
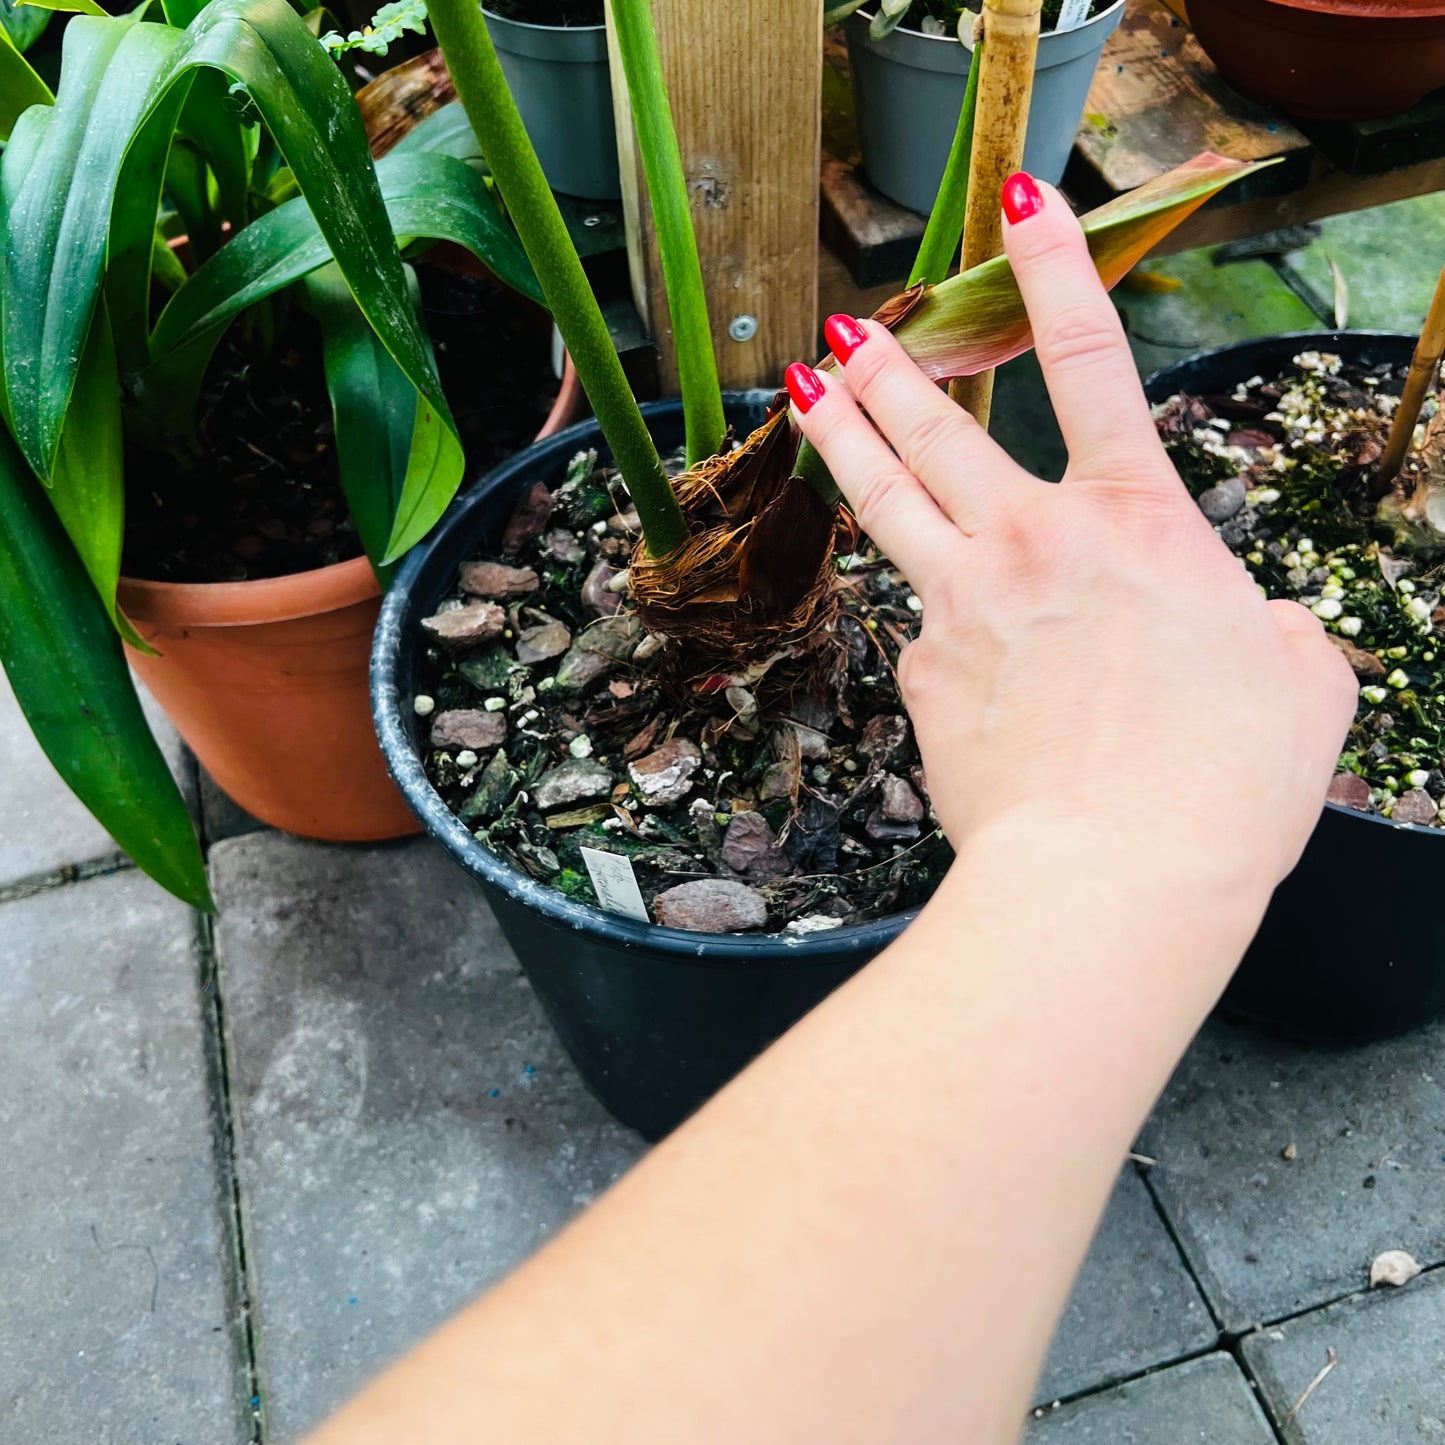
(616,883)
(1072,14)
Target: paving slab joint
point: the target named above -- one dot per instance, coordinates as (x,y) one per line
(228,1181)
(65,875)
(1144,1171)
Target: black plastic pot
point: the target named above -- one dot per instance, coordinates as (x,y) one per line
(1352,947)
(656,1019)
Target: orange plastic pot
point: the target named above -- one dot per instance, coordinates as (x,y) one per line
(267,683)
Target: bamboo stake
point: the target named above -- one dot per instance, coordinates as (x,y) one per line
(1005,84)
(1424,365)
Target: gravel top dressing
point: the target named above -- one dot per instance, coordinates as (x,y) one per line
(1282,468)
(789,798)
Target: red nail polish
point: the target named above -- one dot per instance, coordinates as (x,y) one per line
(805,386)
(1021,197)
(844,336)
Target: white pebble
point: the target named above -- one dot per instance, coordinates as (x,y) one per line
(1291,559)
(1417,778)
(495,704)
(466,758)
(598,528)
(1419,609)
(422,705)
(1305,544)
(1332,589)
(1374,694)
(1351,626)
(1405,585)
(547,684)
(1266,495)
(531,715)
(580,746)
(1327,608)
(915,603)
(1399,678)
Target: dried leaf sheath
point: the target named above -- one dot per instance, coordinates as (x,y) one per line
(756,576)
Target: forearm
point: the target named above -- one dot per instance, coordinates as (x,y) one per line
(869,1235)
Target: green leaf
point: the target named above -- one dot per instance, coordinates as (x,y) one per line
(73,7)
(890,13)
(430,195)
(835,14)
(54,216)
(375,411)
(118,72)
(70,678)
(977,320)
(20,86)
(24,24)
(446,130)
(944,232)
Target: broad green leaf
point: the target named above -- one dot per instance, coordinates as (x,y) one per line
(427,195)
(375,411)
(116,74)
(20,87)
(977,320)
(54,216)
(24,24)
(447,130)
(210,120)
(70,678)
(88,489)
(72,7)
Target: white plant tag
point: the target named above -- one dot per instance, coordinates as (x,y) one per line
(616,883)
(1072,14)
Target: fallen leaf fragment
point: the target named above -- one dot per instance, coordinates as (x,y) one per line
(1394,1267)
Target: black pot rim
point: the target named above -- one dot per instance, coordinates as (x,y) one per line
(764,950)
(1160,385)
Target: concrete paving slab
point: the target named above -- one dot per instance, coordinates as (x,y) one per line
(43,826)
(407,1125)
(1387,1384)
(1389,257)
(118,1320)
(1269,1235)
(1134,1305)
(1206,1400)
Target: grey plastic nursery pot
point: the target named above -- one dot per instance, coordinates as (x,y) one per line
(908,89)
(558,76)
(1351,948)
(656,1019)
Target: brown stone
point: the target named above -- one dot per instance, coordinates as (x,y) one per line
(496,580)
(595,596)
(885,741)
(1349,790)
(1365,665)
(751,847)
(597,650)
(469,727)
(711,905)
(468,626)
(898,803)
(543,642)
(664,776)
(529,518)
(1416,806)
(578,780)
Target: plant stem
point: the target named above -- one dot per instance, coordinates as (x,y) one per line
(1005,83)
(945,221)
(676,242)
(482,88)
(1424,365)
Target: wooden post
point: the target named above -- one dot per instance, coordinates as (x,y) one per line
(1011,31)
(1424,369)
(745,80)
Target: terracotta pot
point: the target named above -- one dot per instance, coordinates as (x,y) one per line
(267,683)
(1326,59)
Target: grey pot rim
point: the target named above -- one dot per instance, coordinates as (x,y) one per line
(1045,35)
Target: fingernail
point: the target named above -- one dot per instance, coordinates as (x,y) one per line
(805,386)
(1021,197)
(844,336)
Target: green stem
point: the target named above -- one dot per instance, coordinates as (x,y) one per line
(814,470)
(462,34)
(944,231)
(676,242)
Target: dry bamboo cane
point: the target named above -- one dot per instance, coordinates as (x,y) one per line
(1424,365)
(1005,84)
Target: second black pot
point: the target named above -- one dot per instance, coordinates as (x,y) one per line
(1351,948)
(656,1019)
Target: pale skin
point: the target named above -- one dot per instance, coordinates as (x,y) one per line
(869,1235)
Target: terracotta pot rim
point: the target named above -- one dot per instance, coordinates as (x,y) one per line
(1368,9)
(298,594)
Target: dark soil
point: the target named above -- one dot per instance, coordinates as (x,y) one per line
(1282,466)
(261,497)
(553,727)
(548,12)
(946,13)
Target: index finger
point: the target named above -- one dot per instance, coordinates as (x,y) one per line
(1082,350)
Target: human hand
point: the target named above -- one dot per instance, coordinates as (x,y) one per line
(1090,650)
